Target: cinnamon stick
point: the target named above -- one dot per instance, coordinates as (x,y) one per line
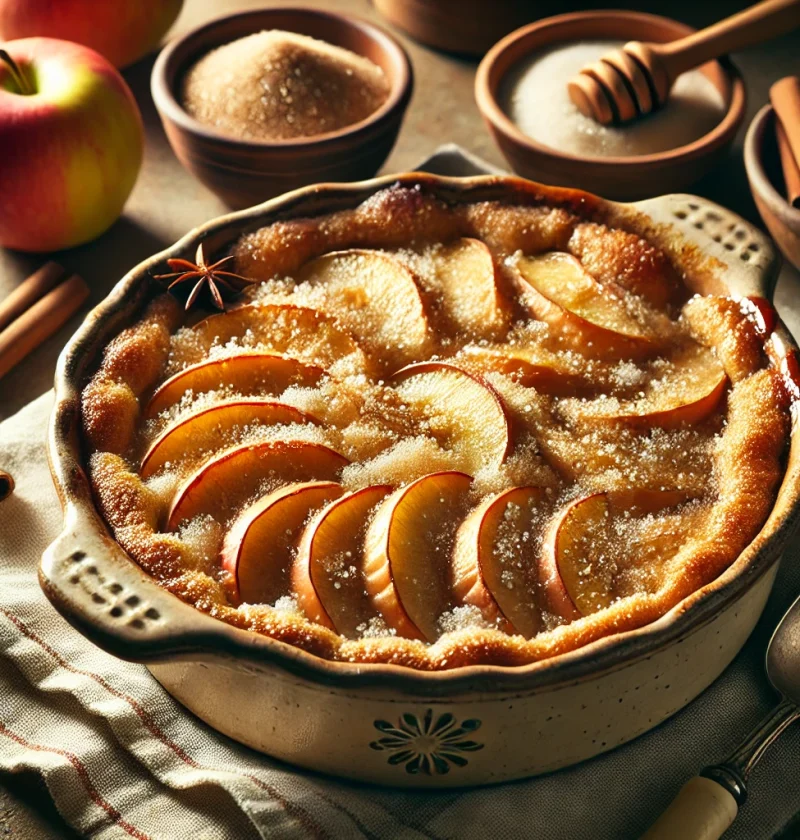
(42,320)
(28,292)
(785,98)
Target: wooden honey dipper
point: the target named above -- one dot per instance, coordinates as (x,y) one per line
(637,79)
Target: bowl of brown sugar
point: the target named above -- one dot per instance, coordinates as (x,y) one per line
(261,102)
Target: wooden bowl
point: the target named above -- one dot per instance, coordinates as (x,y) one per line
(764,173)
(624,178)
(467,27)
(246,172)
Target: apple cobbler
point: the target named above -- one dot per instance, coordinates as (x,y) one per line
(437,434)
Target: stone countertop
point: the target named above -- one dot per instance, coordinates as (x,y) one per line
(167,202)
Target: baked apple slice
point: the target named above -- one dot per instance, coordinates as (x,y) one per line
(258,549)
(686,394)
(495,559)
(206,430)
(231,477)
(576,565)
(376,298)
(296,331)
(579,554)
(461,410)
(245,373)
(464,280)
(407,553)
(533,367)
(599,321)
(328,572)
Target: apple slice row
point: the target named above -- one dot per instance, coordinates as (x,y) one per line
(410,555)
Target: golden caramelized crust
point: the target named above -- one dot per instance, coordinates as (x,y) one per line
(494,431)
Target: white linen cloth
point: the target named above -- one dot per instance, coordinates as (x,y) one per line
(121,758)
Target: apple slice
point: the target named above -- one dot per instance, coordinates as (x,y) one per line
(328,572)
(245,373)
(579,558)
(407,559)
(602,322)
(494,559)
(576,569)
(461,410)
(231,477)
(465,281)
(686,394)
(257,549)
(376,298)
(533,367)
(206,430)
(304,334)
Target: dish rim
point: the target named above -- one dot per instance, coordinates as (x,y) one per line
(204,636)
(399,93)
(493,113)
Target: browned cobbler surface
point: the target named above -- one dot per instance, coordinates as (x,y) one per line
(587,445)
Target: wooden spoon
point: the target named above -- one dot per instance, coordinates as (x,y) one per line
(637,79)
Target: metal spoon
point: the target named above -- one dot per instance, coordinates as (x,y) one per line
(707,804)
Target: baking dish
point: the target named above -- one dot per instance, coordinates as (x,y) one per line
(332,716)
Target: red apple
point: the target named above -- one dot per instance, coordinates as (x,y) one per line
(121,30)
(71,142)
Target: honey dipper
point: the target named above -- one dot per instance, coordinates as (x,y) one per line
(636,79)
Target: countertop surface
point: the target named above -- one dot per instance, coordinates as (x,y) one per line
(167,202)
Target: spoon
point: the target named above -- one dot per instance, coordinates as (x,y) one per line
(637,79)
(707,804)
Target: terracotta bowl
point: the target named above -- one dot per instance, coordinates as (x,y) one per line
(245,172)
(329,715)
(763,173)
(623,178)
(467,27)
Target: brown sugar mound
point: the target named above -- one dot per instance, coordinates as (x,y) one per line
(277,85)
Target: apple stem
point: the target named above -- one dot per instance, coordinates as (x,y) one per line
(17,76)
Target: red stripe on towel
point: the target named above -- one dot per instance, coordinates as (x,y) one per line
(296,813)
(83,775)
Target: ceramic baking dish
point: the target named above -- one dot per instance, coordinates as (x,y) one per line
(330,716)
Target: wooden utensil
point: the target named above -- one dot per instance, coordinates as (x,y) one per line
(707,804)
(637,79)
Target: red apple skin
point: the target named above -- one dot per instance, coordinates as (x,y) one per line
(70,152)
(121,30)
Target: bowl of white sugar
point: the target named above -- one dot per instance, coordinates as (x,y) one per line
(521,90)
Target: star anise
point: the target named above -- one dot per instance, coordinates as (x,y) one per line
(203,274)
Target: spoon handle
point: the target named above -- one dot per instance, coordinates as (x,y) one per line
(751,26)
(707,804)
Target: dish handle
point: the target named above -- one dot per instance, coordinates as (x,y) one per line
(751,263)
(110,600)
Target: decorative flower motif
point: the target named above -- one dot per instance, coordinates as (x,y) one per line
(424,746)
(202,274)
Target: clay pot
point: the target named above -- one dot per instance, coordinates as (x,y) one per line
(763,173)
(246,172)
(623,178)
